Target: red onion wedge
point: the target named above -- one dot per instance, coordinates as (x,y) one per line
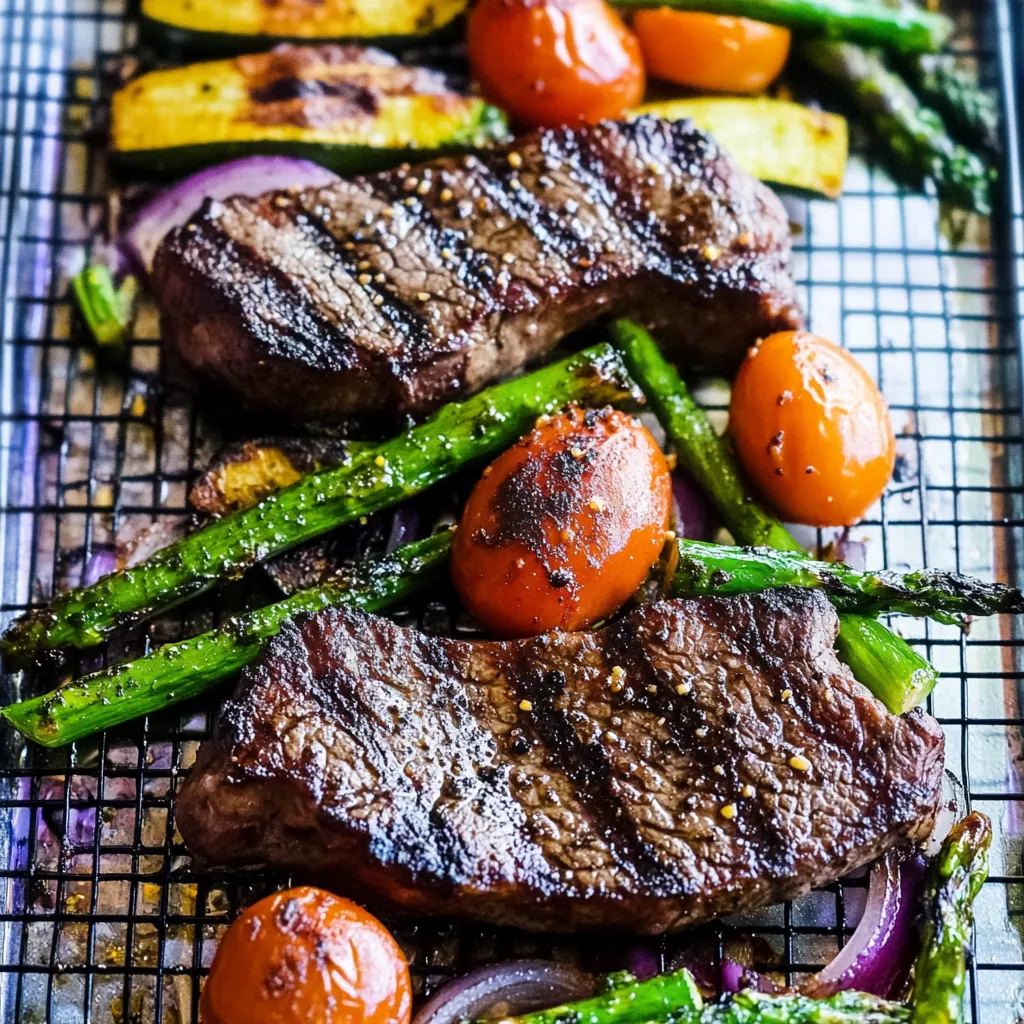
(506,990)
(694,517)
(248,176)
(881,950)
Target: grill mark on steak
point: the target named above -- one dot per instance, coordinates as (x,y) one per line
(585,763)
(489,260)
(387,762)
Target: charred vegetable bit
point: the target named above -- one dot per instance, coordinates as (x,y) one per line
(945,596)
(913,134)
(377,477)
(180,671)
(954,881)
(904,29)
(107,308)
(675,998)
(897,675)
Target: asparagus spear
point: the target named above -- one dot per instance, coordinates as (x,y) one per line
(897,675)
(971,111)
(108,310)
(955,879)
(627,1001)
(675,997)
(946,596)
(179,671)
(376,477)
(864,21)
(913,134)
(757,1008)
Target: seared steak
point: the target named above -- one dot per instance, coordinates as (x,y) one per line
(693,759)
(403,290)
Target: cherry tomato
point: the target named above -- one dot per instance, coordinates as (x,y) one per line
(563,527)
(305,955)
(708,51)
(552,62)
(812,429)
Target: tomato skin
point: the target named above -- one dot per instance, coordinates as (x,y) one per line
(711,52)
(553,62)
(564,526)
(306,955)
(812,429)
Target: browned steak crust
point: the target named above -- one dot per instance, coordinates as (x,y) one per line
(526,783)
(403,290)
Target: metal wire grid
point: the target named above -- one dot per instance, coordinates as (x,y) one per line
(101,916)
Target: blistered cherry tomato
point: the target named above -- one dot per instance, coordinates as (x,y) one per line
(708,51)
(812,429)
(305,955)
(552,62)
(563,527)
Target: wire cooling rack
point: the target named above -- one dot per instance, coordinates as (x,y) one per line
(102,917)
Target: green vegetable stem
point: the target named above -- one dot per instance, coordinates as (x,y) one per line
(948,597)
(675,998)
(955,878)
(377,477)
(179,671)
(108,310)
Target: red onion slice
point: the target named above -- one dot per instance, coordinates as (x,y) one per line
(249,176)
(879,953)
(505,990)
(694,517)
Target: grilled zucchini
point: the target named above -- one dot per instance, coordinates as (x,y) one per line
(774,140)
(348,108)
(228,26)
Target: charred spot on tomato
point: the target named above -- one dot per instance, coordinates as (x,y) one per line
(555,535)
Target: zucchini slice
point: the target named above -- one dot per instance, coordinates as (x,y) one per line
(774,140)
(348,108)
(239,25)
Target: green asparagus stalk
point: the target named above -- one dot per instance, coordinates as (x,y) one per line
(627,1001)
(914,135)
(676,998)
(954,881)
(945,596)
(376,477)
(108,310)
(863,21)
(758,1008)
(180,671)
(971,111)
(897,675)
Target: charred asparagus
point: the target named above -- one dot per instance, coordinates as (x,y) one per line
(675,997)
(179,671)
(954,881)
(377,476)
(945,596)
(914,135)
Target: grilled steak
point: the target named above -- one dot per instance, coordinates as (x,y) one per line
(733,762)
(403,290)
